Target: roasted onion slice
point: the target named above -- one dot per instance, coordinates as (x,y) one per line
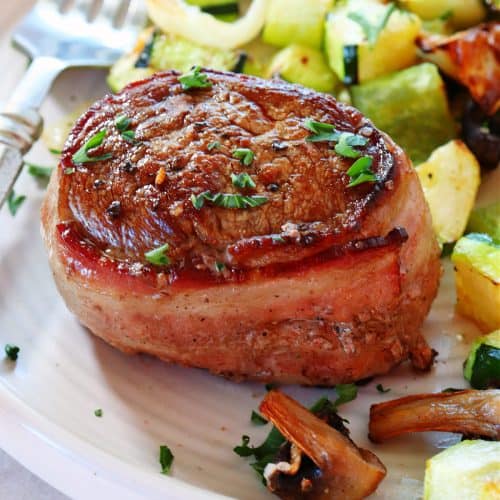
(471,413)
(347,472)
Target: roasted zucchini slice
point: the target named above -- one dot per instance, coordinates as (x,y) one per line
(486,220)
(291,21)
(157,51)
(476,259)
(469,470)
(462,13)
(359,37)
(450,179)
(411,106)
(482,368)
(303,65)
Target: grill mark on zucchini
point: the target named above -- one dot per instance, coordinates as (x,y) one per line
(219,10)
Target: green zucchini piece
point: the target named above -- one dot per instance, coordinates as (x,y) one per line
(258,54)
(411,106)
(305,66)
(462,13)
(360,36)
(486,220)
(158,51)
(482,368)
(469,470)
(290,21)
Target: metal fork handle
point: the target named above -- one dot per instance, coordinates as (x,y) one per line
(20,121)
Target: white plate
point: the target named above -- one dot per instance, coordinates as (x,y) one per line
(48,398)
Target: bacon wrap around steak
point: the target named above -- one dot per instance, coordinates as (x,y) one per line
(322,284)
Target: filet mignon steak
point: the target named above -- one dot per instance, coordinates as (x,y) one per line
(276,269)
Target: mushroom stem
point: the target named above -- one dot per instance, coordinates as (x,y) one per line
(350,473)
(469,412)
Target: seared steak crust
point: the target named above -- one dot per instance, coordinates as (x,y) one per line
(295,298)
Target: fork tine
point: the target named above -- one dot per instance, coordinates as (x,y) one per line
(108,11)
(135,17)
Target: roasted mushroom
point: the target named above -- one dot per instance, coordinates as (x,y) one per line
(469,412)
(339,469)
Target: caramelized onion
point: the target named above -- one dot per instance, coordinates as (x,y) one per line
(472,413)
(348,472)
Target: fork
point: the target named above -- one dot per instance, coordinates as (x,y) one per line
(56,35)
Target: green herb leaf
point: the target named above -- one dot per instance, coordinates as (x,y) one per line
(372,31)
(245,155)
(122,123)
(98,413)
(242,180)
(14,202)
(39,171)
(321,132)
(346,142)
(345,393)
(166,459)
(360,172)
(69,171)
(257,419)
(227,200)
(55,151)
(270,387)
(220,266)
(213,145)
(277,238)
(380,388)
(194,79)
(452,389)
(158,256)
(12,351)
(243,450)
(129,135)
(96,140)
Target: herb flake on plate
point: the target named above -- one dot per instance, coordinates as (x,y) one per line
(12,351)
(166,459)
(14,202)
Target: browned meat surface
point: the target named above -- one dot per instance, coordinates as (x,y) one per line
(322,283)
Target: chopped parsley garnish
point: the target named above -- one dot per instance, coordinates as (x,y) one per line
(257,419)
(158,256)
(227,200)
(213,145)
(122,123)
(12,351)
(345,393)
(98,412)
(270,387)
(194,79)
(69,171)
(380,388)
(321,132)
(95,141)
(55,151)
(344,146)
(245,155)
(277,238)
(14,202)
(242,180)
(166,459)
(39,171)
(372,31)
(360,172)
(220,266)
(129,135)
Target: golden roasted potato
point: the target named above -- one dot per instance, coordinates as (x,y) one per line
(450,179)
